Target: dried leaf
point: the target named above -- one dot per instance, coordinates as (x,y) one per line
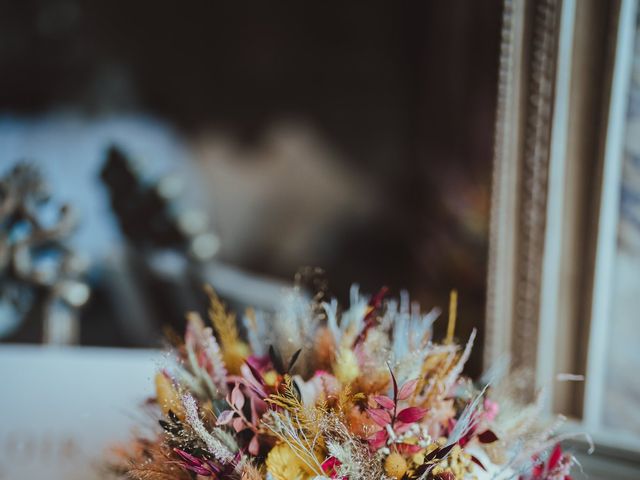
(384,401)
(237,398)
(407,389)
(412,414)
(238,424)
(254,446)
(276,359)
(380,416)
(225,417)
(293,360)
(487,437)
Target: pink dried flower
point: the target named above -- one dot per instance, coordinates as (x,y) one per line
(491,410)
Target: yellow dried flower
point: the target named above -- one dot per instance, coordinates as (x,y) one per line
(234,356)
(346,367)
(395,465)
(250,472)
(234,350)
(167,396)
(270,378)
(284,464)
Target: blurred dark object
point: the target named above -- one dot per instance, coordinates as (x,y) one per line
(159,274)
(40,285)
(150,278)
(140,209)
(149,212)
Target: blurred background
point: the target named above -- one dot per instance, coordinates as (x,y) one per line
(148,148)
(236,144)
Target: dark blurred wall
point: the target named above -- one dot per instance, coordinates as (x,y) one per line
(385,79)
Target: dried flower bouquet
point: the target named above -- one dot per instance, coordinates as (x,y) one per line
(319,392)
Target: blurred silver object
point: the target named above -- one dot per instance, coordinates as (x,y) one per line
(40,285)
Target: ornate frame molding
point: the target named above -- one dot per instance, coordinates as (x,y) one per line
(555,81)
(521,158)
